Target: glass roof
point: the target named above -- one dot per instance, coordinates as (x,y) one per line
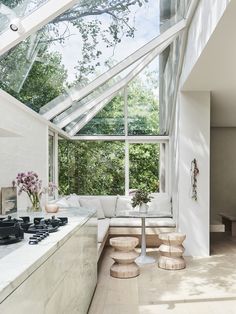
(52,68)
(109,121)
(82,43)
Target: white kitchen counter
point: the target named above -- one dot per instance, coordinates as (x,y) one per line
(18,261)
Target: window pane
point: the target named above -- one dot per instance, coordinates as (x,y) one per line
(144,167)
(143,104)
(91,168)
(51,158)
(169,61)
(109,121)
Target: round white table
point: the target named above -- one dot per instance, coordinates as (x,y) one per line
(143,258)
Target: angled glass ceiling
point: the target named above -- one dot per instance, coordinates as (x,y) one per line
(79,45)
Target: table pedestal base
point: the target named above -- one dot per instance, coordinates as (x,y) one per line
(144,259)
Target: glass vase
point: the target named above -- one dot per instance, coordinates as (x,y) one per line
(143,208)
(35,203)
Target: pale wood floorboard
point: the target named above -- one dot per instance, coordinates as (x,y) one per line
(207,285)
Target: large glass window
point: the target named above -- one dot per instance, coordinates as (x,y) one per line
(91,168)
(144,167)
(98,168)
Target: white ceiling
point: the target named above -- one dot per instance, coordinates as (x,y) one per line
(215,70)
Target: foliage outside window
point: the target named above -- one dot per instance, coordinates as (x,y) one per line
(97,168)
(91,168)
(144,167)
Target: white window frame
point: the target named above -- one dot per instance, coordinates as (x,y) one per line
(55,159)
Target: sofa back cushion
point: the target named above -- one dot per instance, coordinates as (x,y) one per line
(73,200)
(123,205)
(61,202)
(161,205)
(93,204)
(108,203)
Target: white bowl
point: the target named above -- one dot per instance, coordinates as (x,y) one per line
(51,208)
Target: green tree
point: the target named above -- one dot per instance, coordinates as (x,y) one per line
(43,83)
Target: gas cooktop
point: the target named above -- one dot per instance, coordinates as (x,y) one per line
(12,230)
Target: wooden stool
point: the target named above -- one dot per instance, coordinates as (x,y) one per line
(171,251)
(124,256)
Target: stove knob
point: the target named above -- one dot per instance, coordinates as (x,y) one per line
(33,241)
(42,235)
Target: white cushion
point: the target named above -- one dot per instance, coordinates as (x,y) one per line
(93,204)
(108,203)
(103,226)
(123,205)
(136,222)
(62,202)
(73,200)
(161,205)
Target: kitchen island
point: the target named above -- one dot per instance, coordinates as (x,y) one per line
(58,275)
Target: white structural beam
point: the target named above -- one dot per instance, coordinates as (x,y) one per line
(98,103)
(79,125)
(105,96)
(32,22)
(130,139)
(121,66)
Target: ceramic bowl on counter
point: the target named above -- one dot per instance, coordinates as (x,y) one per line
(51,208)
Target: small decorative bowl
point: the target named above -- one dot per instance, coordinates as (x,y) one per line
(51,208)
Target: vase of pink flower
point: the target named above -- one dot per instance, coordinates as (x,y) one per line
(30,183)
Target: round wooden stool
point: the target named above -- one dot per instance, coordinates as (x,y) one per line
(124,256)
(171,251)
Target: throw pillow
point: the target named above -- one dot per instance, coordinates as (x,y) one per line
(123,206)
(93,204)
(161,205)
(62,202)
(73,200)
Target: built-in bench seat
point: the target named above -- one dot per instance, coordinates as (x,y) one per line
(136,222)
(112,221)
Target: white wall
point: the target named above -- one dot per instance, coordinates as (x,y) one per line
(191,134)
(27,147)
(194,142)
(223,172)
(205,20)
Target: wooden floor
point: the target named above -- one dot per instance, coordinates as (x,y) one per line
(207,285)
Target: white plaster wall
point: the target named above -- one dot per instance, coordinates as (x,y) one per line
(206,18)
(223,172)
(190,135)
(26,149)
(194,142)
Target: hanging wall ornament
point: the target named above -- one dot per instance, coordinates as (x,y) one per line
(194,174)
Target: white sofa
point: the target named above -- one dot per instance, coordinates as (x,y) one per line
(112,212)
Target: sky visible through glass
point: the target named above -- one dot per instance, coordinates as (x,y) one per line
(79,45)
(144,19)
